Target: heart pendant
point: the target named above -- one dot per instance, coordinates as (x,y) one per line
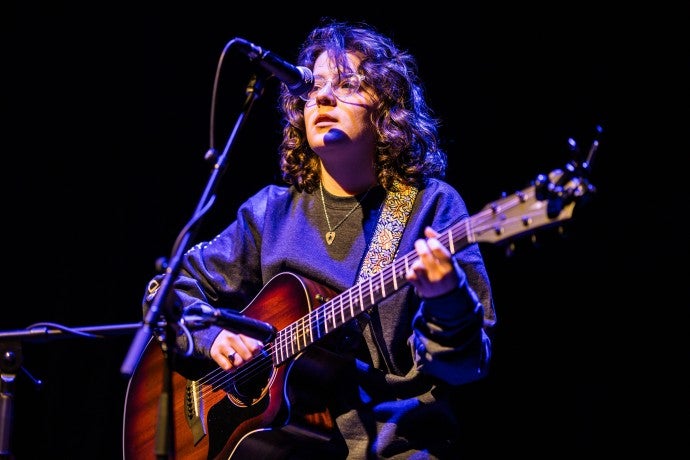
(330,236)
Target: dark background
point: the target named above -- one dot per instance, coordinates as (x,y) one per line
(107,121)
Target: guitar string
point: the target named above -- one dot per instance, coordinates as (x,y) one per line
(249,371)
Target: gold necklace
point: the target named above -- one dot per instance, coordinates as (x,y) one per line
(330,234)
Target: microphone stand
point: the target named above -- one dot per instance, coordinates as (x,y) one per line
(162,306)
(11,360)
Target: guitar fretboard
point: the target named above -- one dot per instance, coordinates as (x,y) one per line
(519,213)
(356,299)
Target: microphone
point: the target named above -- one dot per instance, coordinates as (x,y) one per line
(298,79)
(205,315)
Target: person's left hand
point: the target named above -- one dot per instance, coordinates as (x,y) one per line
(433,273)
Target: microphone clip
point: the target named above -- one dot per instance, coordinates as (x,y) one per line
(201,316)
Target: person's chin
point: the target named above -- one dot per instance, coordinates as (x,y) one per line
(334,136)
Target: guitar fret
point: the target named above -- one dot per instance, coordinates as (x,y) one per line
(468,233)
(371,291)
(317,324)
(334,312)
(395,280)
(290,344)
(278,357)
(323,321)
(377,289)
(383,286)
(352,312)
(283,345)
(307,333)
(327,311)
(286,343)
(299,334)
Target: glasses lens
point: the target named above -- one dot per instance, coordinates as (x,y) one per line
(347,85)
(318,84)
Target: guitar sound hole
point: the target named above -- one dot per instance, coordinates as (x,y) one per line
(252,382)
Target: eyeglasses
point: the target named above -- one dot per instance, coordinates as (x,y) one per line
(343,86)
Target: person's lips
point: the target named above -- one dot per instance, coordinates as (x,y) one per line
(324,119)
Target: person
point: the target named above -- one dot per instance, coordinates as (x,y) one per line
(364,171)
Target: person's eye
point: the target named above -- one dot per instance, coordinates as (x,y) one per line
(347,84)
(350,83)
(318,85)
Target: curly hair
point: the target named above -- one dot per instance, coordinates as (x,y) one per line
(408,148)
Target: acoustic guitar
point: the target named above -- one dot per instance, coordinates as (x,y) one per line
(218,414)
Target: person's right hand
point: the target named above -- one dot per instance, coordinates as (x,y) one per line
(231,350)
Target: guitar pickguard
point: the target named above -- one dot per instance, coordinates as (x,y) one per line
(248,392)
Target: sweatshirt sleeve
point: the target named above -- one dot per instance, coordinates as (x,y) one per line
(449,340)
(222,272)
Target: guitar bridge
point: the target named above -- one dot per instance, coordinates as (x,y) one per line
(193,410)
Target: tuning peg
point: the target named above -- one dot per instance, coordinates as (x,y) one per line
(37,383)
(211,155)
(161,264)
(534,241)
(511,248)
(594,147)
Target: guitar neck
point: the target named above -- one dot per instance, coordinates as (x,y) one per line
(520,213)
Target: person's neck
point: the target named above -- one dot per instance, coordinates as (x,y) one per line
(349,182)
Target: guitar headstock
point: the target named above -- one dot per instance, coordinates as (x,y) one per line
(548,201)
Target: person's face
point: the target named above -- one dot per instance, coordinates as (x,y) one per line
(335,120)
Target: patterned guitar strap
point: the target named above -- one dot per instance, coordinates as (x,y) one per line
(382,250)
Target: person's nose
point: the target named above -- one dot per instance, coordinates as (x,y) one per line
(325,95)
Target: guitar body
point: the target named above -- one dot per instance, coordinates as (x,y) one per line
(213,422)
